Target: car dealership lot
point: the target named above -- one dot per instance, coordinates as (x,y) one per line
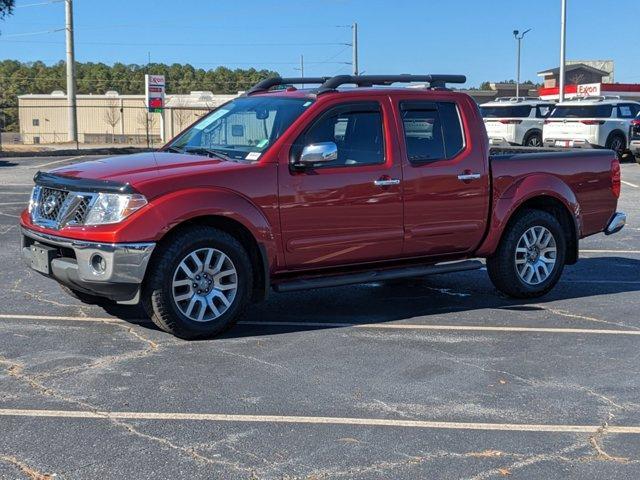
(438,377)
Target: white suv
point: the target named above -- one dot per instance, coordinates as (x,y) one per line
(515,121)
(591,122)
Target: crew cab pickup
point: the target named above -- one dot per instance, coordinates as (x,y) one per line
(291,189)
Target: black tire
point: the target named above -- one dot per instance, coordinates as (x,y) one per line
(533,139)
(502,267)
(157,292)
(618,143)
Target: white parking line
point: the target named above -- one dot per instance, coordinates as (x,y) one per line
(609,251)
(367,422)
(630,184)
(57,161)
(374,326)
(12,203)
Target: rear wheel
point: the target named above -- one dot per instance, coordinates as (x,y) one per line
(618,143)
(531,256)
(533,139)
(199,283)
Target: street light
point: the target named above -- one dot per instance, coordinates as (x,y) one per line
(519,36)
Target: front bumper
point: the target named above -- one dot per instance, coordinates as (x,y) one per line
(114,271)
(616,223)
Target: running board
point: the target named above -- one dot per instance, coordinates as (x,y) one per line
(375,275)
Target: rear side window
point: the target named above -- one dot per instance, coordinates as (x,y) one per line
(507,111)
(626,111)
(432,131)
(582,111)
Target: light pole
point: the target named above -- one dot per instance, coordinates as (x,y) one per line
(519,36)
(71,75)
(563,47)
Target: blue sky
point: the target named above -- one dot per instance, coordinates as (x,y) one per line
(424,36)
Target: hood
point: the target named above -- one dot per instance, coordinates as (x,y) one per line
(141,170)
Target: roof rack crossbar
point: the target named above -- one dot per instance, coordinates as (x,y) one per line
(271,82)
(434,81)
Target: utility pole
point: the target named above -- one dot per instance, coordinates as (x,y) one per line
(563,47)
(354,45)
(519,37)
(71,74)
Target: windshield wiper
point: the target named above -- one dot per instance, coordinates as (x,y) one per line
(173,149)
(212,152)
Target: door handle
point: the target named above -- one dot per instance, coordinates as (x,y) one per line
(386,182)
(466,177)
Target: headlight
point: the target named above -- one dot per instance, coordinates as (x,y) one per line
(113,208)
(33,200)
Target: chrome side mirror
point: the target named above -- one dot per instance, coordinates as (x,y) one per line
(318,153)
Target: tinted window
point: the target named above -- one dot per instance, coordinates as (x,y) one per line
(356,129)
(582,111)
(543,111)
(508,111)
(431,131)
(625,111)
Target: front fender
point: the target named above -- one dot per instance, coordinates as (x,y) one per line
(508,200)
(167,211)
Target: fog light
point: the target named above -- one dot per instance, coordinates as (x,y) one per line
(98,263)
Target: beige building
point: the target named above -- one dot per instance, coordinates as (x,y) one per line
(111,118)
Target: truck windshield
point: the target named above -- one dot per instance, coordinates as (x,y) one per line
(241,129)
(582,111)
(511,111)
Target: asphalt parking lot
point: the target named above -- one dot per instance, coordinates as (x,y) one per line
(438,377)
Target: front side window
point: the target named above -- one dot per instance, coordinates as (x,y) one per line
(582,111)
(507,111)
(243,128)
(355,128)
(432,131)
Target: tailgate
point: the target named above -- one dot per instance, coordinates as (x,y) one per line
(567,129)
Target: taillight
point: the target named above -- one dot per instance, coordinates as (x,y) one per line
(615,178)
(592,122)
(511,122)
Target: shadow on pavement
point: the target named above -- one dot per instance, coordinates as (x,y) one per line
(406,299)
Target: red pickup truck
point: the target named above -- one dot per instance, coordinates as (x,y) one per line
(291,189)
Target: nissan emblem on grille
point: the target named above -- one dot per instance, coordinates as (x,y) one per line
(49,205)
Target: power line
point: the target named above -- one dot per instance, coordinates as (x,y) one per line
(256,44)
(39,4)
(42,32)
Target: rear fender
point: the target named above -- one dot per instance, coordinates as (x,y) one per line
(505,205)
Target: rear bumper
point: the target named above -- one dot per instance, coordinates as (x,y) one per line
(569,143)
(617,223)
(634,146)
(74,262)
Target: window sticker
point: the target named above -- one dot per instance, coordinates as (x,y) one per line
(263,143)
(252,156)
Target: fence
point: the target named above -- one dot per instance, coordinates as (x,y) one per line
(41,125)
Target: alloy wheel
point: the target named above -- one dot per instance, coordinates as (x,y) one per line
(204,284)
(535,256)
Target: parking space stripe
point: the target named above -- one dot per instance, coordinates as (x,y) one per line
(367,422)
(374,326)
(58,161)
(630,184)
(609,251)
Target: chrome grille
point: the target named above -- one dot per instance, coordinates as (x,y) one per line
(50,203)
(55,208)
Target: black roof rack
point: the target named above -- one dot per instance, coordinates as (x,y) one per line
(268,83)
(330,84)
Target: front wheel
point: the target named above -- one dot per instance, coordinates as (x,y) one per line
(199,283)
(531,256)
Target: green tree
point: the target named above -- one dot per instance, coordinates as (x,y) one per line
(6,7)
